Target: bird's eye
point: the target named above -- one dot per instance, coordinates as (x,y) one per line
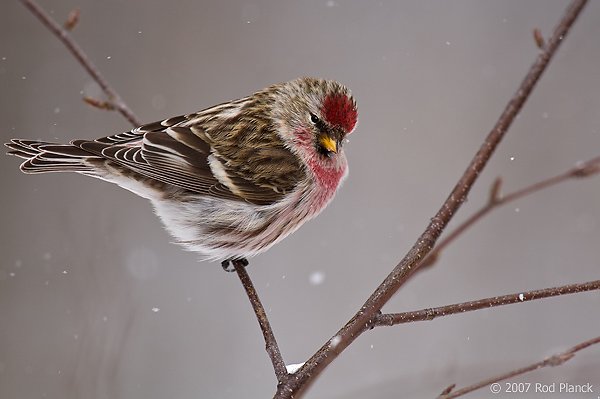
(314,118)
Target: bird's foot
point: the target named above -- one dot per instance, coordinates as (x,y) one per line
(225,264)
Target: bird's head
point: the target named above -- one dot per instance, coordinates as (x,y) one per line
(314,114)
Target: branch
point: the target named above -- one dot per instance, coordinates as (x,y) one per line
(555,360)
(391,319)
(583,169)
(270,341)
(65,37)
(296,384)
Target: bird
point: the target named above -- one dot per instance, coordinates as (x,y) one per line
(232,180)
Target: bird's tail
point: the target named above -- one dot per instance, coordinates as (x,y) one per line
(43,156)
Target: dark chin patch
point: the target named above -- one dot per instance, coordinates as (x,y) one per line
(322,150)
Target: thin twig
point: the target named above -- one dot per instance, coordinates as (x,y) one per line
(391,319)
(72,19)
(555,360)
(83,59)
(300,381)
(583,169)
(270,341)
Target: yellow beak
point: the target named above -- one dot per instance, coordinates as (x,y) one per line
(328,143)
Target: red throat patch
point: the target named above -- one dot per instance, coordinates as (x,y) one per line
(339,110)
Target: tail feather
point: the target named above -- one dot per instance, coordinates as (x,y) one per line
(42,156)
(24,148)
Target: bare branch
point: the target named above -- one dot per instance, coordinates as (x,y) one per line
(270,341)
(432,313)
(72,19)
(555,360)
(99,104)
(299,382)
(495,194)
(584,169)
(539,39)
(83,59)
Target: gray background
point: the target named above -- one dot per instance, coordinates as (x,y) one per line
(96,303)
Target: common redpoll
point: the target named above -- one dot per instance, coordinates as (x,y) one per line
(232,180)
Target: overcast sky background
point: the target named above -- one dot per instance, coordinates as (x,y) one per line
(96,302)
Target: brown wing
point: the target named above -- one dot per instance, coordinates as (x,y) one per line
(179,151)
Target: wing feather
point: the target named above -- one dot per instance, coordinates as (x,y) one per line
(176,151)
(229,151)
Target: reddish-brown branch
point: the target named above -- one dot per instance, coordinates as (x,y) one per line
(72,19)
(555,360)
(299,382)
(65,37)
(391,319)
(583,169)
(270,341)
